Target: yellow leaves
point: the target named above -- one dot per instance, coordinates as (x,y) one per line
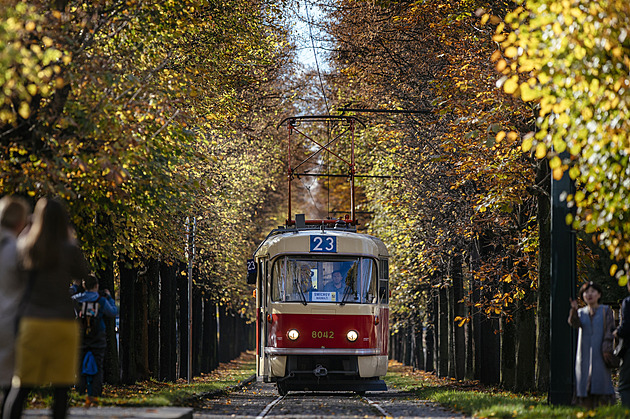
(24,110)
(511,85)
(527,93)
(558,173)
(579,196)
(555,163)
(461,320)
(557,28)
(541,150)
(527,143)
(587,113)
(511,52)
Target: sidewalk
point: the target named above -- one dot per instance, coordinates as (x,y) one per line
(117,412)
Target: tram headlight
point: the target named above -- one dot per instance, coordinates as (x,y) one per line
(293,334)
(352,335)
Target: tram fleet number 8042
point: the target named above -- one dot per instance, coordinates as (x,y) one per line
(322,296)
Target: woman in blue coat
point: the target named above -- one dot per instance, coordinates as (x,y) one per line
(593,383)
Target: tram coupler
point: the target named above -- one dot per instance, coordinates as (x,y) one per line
(320,371)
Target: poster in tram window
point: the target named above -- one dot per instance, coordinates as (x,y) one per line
(324,244)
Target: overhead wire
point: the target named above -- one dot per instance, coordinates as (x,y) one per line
(319,74)
(323,90)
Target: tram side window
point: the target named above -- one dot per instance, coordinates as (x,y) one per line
(368,281)
(384,281)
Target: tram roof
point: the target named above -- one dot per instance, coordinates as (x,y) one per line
(297,241)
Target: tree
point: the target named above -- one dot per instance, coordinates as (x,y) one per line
(579,78)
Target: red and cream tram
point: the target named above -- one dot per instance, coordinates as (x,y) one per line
(322,308)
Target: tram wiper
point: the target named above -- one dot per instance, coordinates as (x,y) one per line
(345,295)
(299,288)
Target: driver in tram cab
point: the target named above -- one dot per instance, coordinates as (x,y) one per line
(337,284)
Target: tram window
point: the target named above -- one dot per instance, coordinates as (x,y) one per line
(383,291)
(303,280)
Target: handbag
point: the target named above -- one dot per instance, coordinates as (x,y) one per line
(611,361)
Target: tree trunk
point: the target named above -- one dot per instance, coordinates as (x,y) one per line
(168,309)
(419,346)
(429,336)
(129,373)
(459,311)
(451,332)
(407,340)
(543,328)
(182,327)
(153,317)
(208,362)
(443,332)
(508,351)
(111,364)
(477,317)
(197,328)
(141,319)
(491,351)
(526,345)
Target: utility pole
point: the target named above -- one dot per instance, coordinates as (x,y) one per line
(563,340)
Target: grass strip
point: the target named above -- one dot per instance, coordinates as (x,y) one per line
(153,393)
(474,399)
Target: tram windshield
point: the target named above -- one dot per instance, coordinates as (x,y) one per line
(343,280)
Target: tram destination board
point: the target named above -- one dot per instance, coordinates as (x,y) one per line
(323,244)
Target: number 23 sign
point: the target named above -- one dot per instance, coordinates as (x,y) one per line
(324,244)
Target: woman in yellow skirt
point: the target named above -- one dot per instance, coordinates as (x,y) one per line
(47,346)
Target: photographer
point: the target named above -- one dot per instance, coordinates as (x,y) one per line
(91,306)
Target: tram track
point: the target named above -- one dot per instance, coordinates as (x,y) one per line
(371,403)
(260,400)
(377,406)
(270,406)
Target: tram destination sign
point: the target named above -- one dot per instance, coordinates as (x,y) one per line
(324,244)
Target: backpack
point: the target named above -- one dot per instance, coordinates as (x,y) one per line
(88,315)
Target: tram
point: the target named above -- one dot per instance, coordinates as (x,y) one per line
(322,308)
(322,294)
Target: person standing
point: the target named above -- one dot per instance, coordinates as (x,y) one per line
(623,332)
(91,307)
(13,218)
(593,380)
(47,345)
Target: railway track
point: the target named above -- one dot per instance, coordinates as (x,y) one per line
(260,400)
